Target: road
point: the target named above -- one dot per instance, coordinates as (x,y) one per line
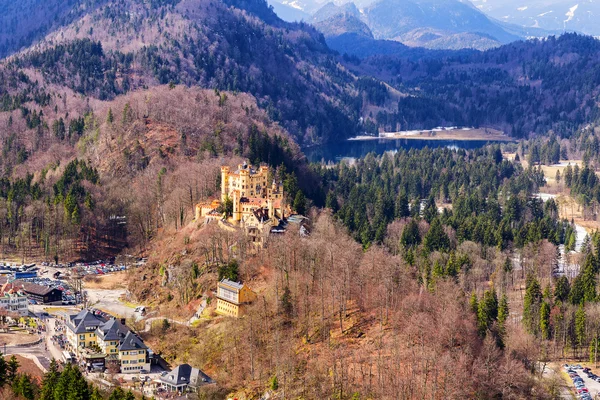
(108,301)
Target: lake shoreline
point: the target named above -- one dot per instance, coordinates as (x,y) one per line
(443,133)
(434,138)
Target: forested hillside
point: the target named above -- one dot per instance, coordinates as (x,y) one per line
(523,88)
(163,143)
(123,46)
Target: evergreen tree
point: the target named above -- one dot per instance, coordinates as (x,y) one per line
(545,320)
(410,235)
(23,387)
(531,304)
(487,311)
(3,371)
(474,303)
(503,314)
(435,238)
(562,289)
(117,394)
(438,270)
(402,210)
(96,394)
(12,368)
(580,322)
(431,211)
(300,203)
(331,202)
(49,382)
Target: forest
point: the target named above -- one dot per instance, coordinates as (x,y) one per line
(58,383)
(524,88)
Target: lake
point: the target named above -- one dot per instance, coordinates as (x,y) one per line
(360,148)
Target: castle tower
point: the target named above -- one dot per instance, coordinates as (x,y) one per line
(237,211)
(271,208)
(224,183)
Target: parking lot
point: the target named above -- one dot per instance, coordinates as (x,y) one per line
(65,277)
(584,380)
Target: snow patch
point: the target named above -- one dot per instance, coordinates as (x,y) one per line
(294,4)
(522,8)
(571,13)
(545,13)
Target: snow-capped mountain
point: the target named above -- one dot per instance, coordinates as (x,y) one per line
(556,15)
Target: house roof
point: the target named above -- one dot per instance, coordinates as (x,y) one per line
(185,374)
(253,201)
(235,285)
(83,322)
(33,288)
(262,215)
(132,342)
(112,330)
(8,289)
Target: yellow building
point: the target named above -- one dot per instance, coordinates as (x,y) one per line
(81,330)
(133,355)
(115,340)
(109,336)
(232,298)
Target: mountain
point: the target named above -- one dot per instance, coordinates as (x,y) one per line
(135,44)
(434,24)
(554,15)
(25,21)
(288,12)
(428,22)
(334,21)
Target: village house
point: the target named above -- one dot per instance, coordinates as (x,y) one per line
(13,300)
(184,378)
(232,298)
(41,294)
(133,355)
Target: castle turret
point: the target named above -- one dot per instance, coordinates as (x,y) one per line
(237,207)
(224,183)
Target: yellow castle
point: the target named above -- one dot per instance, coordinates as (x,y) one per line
(257,206)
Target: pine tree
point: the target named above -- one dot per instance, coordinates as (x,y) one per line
(436,238)
(23,387)
(588,276)
(117,394)
(3,371)
(487,311)
(110,118)
(580,321)
(562,289)
(531,304)
(96,394)
(12,368)
(49,382)
(402,210)
(300,203)
(545,320)
(474,303)
(410,235)
(503,312)
(438,270)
